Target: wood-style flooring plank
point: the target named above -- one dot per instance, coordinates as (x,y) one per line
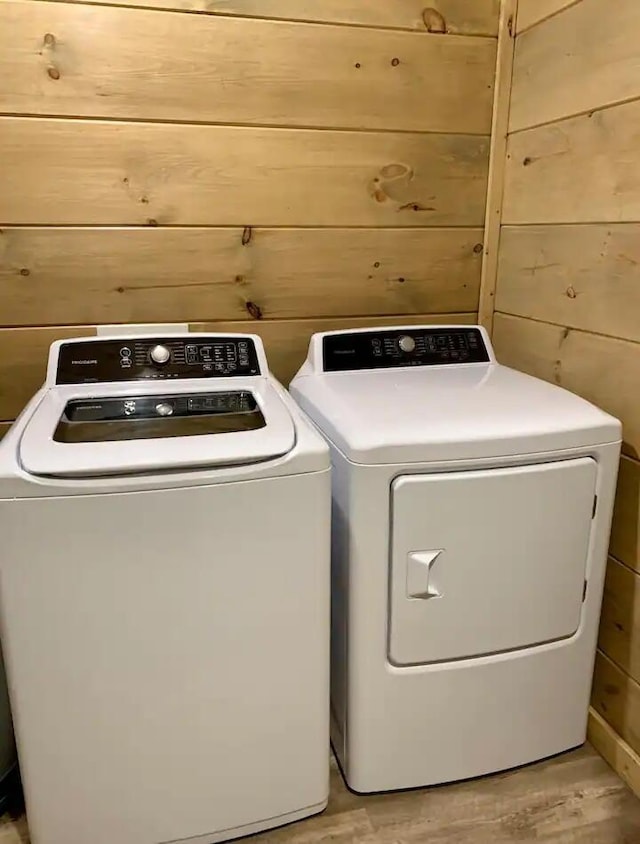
(574,798)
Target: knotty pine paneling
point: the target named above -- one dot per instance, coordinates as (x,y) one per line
(100,61)
(581,276)
(182,274)
(23,362)
(463,17)
(269,166)
(23,351)
(95,172)
(601,369)
(616,697)
(620,622)
(581,170)
(595,41)
(625,530)
(532,12)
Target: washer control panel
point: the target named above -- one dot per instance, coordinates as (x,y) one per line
(144,358)
(402,347)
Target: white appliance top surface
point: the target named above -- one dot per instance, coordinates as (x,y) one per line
(40,454)
(447,412)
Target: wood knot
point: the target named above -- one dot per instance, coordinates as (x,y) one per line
(478,248)
(151,221)
(246,235)
(49,40)
(415,206)
(391,182)
(357,65)
(395,62)
(376,264)
(571,293)
(24,271)
(434,21)
(144,200)
(526,161)
(255,311)
(394,171)
(53,72)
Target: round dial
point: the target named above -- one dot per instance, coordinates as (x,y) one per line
(163,408)
(160,354)
(407,343)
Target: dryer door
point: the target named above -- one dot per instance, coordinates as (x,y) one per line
(488,561)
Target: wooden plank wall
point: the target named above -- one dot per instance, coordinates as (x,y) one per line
(568,286)
(268,165)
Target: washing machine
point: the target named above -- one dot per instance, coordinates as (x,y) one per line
(471,517)
(164,594)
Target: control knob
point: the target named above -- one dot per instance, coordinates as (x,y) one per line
(407,343)
(163,408)
(160,354)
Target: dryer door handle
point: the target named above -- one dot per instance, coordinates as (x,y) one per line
(420,574)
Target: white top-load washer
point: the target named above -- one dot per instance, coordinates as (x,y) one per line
(471,516)
(164,593)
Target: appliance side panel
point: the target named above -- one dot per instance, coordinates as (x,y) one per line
(340,557)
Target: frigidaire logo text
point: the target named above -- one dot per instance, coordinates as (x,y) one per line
(85,362)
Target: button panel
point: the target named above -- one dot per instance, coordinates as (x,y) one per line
(96,361)
(405,347)
(152,407)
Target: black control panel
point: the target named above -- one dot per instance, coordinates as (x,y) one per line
(167,358)
(403,347)
(152,407)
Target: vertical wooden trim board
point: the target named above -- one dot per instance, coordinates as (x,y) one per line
(497,160)
(614,750)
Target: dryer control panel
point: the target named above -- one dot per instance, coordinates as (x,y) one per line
(402,347)
(167,358)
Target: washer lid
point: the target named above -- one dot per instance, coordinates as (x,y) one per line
(448,413)
(116,429)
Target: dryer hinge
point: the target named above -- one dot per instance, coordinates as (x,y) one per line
(595,504)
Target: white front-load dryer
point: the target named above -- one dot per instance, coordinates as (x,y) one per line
(164,594)
(471,516)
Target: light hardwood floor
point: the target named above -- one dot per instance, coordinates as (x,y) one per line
(571,799)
